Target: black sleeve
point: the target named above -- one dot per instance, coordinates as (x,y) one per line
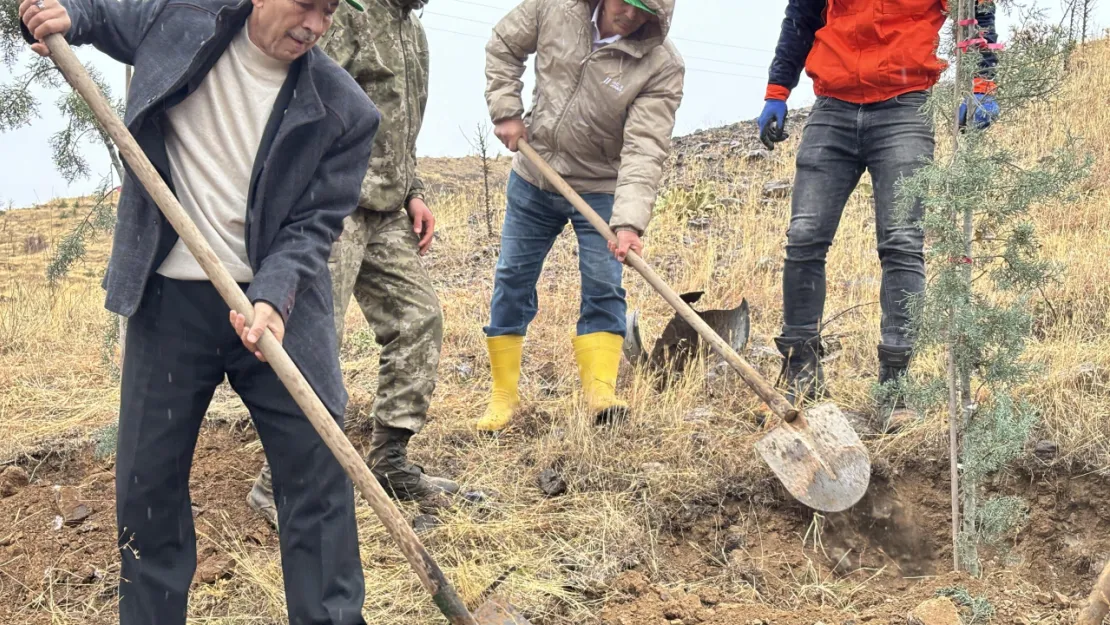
(803,19)
(984,14)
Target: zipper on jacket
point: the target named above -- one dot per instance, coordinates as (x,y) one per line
(577,88)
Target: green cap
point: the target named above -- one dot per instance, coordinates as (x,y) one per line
(357,5)
(639,4)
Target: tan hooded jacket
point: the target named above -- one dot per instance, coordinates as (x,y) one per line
(602,119)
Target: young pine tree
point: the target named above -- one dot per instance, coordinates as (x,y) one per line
(985,265)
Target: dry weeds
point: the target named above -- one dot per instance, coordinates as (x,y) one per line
(683,452)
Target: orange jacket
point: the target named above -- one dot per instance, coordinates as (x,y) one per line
(866,51)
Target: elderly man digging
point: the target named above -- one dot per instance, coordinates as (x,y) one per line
(608,84)
(378,255)
(872,64)
(265,142)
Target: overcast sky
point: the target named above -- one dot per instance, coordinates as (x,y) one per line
(727,45)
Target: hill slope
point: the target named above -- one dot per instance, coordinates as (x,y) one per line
(669,518)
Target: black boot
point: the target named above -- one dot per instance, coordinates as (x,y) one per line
(802,373)
(894,413)
(388,459)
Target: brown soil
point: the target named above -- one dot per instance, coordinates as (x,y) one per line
(736,562)
(47,564)
(877,561)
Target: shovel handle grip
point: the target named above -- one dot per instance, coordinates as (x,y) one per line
(426,569)
(774,400)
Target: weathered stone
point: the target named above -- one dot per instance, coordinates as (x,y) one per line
(12,480)
(89,574)
(757,155)
(1045,450)
(215,567)
(551,483)
(938,611)
(70,507)
(425,522)
(699,223)
(777,189)
(701,413)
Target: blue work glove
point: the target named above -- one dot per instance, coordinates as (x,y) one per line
(986,111)
(772,123)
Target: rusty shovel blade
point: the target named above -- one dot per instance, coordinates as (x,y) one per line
(498,611)
(819,458)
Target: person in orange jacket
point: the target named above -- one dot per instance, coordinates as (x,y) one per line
(872,63)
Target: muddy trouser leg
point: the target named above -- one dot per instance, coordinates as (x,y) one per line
(320,563)
(397,298)
(896,137)
(532,223)
(828,169)
(173,366)
(344,263)
(603,298)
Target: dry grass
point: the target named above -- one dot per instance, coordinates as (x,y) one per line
(682,452)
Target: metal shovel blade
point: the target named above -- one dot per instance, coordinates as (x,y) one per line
(498,611)
(819,458)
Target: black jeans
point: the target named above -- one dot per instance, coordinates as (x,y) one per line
(840,140)
(180,345)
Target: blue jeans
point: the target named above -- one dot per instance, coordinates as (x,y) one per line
(533,220)
(840,140)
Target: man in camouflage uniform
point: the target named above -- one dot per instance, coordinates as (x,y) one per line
(377,258)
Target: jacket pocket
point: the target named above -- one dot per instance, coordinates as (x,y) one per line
(908,7)
(836,8)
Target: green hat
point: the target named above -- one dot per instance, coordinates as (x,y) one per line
(357,5)
(639,4)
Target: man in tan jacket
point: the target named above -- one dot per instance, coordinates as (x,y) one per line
(608,84)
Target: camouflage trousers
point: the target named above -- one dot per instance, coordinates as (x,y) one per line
(376,260)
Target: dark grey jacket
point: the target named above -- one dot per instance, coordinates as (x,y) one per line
(307,174)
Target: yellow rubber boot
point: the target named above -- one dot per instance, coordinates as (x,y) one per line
(504,361)
(599,356)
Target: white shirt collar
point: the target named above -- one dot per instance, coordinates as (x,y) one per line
(598,41)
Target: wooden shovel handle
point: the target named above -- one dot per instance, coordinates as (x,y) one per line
(426,569)
(766,392)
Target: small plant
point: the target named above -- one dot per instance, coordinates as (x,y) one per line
(480,144)
(981,609)
(104,442)
(361,342)
(694,202)
(34,244)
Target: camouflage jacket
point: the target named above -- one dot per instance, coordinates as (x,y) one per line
(386,51)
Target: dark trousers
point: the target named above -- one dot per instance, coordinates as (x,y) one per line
(841,140)
(533,220)
(180,345)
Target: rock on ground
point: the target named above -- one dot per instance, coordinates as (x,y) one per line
(213,568)
(551,483)
(12,480)
(70,507)
(939,611)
